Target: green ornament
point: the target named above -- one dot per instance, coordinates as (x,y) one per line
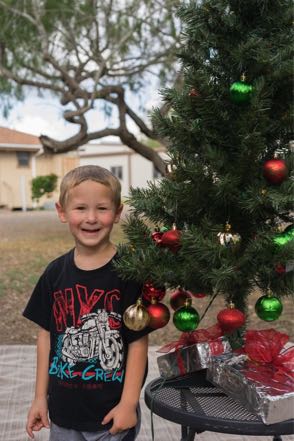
(164,229)
(268,308)
(286,236)
(186,318)
(240,91)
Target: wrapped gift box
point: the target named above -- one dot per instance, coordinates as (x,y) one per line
(191,358)
(264,388)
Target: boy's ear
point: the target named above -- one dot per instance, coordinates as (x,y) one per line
(118,213)
(60,212)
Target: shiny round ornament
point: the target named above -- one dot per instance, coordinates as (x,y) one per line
(268,307)
(231,318)
(159,315)
(227,238)
(136,316)
(170,170)
(286,236)
(171,239)
(150,291)
(275,171)
(178,298)
(186,318)
(156,236)
(280,269)
(241,92)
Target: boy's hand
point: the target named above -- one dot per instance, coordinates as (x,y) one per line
(123,416)
(37,416)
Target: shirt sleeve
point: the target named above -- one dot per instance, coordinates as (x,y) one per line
(132,291)
(38,308)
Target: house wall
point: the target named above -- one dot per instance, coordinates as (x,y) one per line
(108,162)
(142,171)
(137,170)
(57,164)
(15,181)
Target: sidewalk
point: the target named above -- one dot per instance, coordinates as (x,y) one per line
(17,372)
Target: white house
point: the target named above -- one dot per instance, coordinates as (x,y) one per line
(131,168)
(22,158)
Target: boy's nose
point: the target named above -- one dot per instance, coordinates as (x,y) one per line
(91,216)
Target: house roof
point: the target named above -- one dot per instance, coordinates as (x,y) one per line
(14,140)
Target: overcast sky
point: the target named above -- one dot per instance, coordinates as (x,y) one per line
(43,115)
(35,116)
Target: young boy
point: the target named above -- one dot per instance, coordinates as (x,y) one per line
(90,367)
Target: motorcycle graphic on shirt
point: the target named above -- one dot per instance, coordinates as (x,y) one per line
(94,339)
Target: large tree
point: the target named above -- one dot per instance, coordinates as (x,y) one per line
(90,52)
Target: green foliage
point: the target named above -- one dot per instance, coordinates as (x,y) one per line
(218,149)
(43,185)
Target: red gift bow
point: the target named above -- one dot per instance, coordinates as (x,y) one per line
(269,364)
(265,345)
(210,335)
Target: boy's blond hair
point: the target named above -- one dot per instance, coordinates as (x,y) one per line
(90,173)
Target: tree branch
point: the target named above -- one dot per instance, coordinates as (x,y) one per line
(22,81)
(149,153)
(78,47)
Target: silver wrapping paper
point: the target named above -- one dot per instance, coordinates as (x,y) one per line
(190,358)
(273,406)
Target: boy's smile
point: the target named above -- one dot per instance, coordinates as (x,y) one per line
(90,213)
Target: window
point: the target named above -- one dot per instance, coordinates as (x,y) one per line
(117,171)
(23,159)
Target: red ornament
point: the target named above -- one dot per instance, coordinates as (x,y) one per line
(150,291)
(156,236)
(159,315)
(280,269)
(275,171)
(231,318)
(194,93)
(178,298)
(171,239)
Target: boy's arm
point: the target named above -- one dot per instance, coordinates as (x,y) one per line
(124,414)
(38,413)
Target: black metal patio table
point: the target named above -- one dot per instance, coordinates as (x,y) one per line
(197,406)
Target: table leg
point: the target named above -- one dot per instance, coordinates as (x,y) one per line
(187,434)
(184,433)
(191,435)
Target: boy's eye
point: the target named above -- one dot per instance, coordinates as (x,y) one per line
(80,208)
(102,208)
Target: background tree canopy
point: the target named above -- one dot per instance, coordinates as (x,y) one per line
(94,55)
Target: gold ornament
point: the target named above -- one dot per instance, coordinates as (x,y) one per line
(136,316)
(170,169)
(227,238)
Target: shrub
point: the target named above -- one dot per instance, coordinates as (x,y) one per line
(43,185)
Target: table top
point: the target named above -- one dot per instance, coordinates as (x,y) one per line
(194,402)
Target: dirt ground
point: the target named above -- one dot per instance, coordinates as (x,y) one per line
(28,241)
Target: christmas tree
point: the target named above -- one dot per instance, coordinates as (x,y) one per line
(220,221)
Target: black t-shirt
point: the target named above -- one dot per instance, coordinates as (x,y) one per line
(83,312)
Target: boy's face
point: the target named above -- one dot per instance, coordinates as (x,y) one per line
(90,213)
